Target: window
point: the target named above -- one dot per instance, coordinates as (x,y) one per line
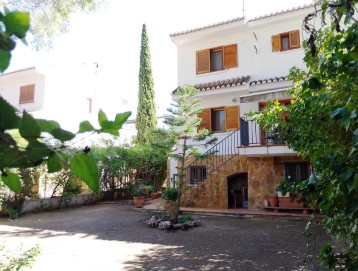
(216,59)
(220,119)
(197,174)
(27,94)
(286,41)
(297,171)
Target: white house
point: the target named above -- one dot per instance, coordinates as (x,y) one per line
(68,94)
(237,66)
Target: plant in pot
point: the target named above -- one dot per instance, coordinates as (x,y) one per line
(170,197)
(136,190)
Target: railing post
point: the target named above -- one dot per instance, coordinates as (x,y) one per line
(244,132)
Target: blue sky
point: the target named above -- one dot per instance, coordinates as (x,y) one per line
(111,37)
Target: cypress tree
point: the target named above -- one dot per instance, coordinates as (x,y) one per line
(146,112)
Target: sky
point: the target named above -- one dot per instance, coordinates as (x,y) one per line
(111,37)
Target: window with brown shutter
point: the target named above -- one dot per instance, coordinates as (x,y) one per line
(286,41)
(230,56)
(203,61)
(27,94)
(232,114)
(220,119)
(216,59)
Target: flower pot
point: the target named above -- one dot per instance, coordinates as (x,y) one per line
(154,195)
(138,201)
(286,203)
(273,201)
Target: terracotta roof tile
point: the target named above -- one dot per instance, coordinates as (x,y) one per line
(206,27)
(281,12)
(241,18)
(269,80)
(233,82)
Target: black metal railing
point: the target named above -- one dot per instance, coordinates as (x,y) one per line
(217,156)
(252,134)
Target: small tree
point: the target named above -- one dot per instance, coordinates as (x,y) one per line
(146,113)
(183,128)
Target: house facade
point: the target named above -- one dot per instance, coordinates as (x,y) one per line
(237,66)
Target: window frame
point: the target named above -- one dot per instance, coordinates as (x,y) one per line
(198,171)
(229,58)
(231,118)
(299,167)
(293,41)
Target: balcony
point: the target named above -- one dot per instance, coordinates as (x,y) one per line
(256,142)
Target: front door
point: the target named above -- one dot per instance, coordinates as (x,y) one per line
(237,185)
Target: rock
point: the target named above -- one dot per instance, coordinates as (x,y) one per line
(178,226)
(153,222)
(164,225)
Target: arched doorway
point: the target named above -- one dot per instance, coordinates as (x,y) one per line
(237,185)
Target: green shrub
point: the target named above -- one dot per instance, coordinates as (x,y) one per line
(170,194)
(185,218)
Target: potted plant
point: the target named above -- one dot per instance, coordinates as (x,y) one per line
(273,200)
(136,190)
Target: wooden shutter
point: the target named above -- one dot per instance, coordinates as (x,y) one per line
(27,94)
(230,56)
(205,116)
(232,114)
(276,43)
(203,61)
(294,39)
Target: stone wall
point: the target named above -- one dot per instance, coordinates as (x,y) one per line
(264,175)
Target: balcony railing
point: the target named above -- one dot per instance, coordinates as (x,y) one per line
(217,156)
(252,134)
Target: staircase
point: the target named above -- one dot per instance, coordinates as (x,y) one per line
(217,156)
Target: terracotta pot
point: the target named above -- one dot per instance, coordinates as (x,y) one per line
(273,201)
(138,201)
(286,203)
(154,195)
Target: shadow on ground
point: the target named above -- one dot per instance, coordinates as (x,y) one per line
(221,243)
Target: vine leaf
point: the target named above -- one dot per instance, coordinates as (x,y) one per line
(12,180)
(86,126)
(29,129)
(85,167)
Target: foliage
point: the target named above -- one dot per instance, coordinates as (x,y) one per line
(13,203)
(139,188)
(322,123)
(183,128)
(36,152)
(53,14)
(146,111)
(13,154)
(11,260)
(119,165)
(170,193)
(13,26)
(185,218)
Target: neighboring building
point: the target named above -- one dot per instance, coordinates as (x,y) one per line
(67,94)
(237,66)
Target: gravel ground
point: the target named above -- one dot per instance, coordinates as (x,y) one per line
(113,237)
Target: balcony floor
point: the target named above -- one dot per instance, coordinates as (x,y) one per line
(266,150)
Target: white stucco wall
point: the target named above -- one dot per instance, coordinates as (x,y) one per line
(10,88)
(261,65)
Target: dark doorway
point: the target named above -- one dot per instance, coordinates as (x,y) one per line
(238,191)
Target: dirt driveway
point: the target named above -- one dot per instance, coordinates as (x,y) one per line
(113,237)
